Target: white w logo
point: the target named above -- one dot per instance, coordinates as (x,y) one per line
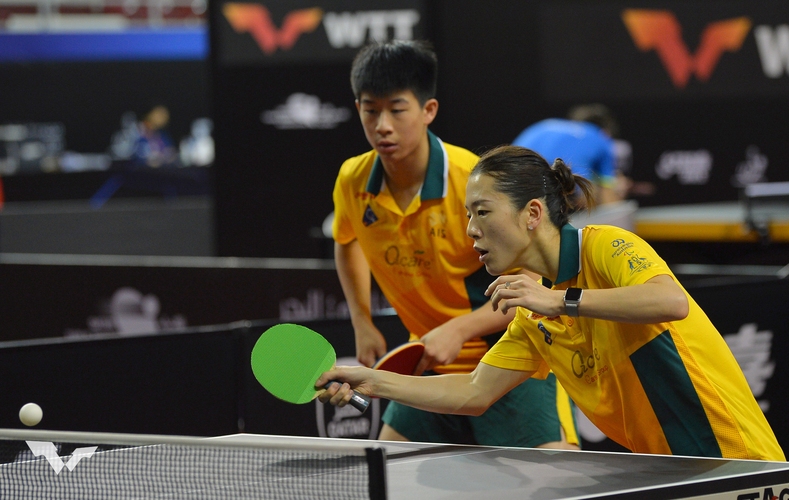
(773,45)
(50,452)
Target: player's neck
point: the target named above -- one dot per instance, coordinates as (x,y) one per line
(543,258)
(547,245)
(404,177)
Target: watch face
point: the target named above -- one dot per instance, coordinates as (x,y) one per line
(573,294)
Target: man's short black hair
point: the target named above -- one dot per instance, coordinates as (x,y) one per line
(597,114)
(382,68)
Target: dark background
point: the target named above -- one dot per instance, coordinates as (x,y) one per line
(503,66)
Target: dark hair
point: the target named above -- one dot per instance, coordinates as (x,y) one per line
(524,175)
(597,114)
(382,68)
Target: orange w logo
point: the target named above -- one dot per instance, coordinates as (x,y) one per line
(256,19)
(660,31)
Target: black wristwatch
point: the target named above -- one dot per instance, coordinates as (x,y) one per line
(572,299)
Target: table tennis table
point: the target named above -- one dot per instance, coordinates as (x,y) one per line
(409,471)
(719,222)
(762,214)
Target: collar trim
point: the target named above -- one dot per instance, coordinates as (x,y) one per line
(569,253)
(435,184)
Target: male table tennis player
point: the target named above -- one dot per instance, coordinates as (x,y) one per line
(399,213)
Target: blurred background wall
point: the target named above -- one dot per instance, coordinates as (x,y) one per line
(260,116)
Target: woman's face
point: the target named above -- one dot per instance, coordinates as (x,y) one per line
(497,228)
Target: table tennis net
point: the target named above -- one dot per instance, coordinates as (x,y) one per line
(113,466)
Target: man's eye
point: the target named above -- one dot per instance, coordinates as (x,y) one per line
(480,213)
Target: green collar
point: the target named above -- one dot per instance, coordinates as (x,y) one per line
(434,186)
(569,253)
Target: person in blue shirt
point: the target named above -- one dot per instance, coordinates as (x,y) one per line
(153,146)
(584,141)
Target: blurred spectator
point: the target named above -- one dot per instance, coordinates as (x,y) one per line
(198,149)
(153,146)
(584,141)
(145,142)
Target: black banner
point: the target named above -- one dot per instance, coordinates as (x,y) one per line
(671,49)
(276,32)
(278,154)
(38,301)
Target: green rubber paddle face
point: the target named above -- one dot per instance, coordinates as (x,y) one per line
(287,360)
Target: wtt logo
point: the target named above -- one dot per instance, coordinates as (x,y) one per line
(256,19)
(660,31)
(343,29)
(50,452)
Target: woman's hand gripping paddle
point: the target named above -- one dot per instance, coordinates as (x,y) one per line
(288,359)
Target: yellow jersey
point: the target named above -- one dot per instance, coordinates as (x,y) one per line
(665,388)
(421,258)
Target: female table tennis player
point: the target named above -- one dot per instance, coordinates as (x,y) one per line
(631,347)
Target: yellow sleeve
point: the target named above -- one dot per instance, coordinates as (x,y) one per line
(342,229)
(623,257)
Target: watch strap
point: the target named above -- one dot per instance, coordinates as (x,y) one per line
(572,299)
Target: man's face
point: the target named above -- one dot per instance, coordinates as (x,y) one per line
(395,124)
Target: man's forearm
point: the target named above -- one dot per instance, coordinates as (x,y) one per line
(354,275)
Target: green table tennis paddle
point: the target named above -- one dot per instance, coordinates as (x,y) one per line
(288,359)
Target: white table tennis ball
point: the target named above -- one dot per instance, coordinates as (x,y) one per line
(30,414)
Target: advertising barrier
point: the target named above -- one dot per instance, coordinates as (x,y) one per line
(134,373)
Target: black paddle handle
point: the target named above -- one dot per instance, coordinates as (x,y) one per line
(358,401)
